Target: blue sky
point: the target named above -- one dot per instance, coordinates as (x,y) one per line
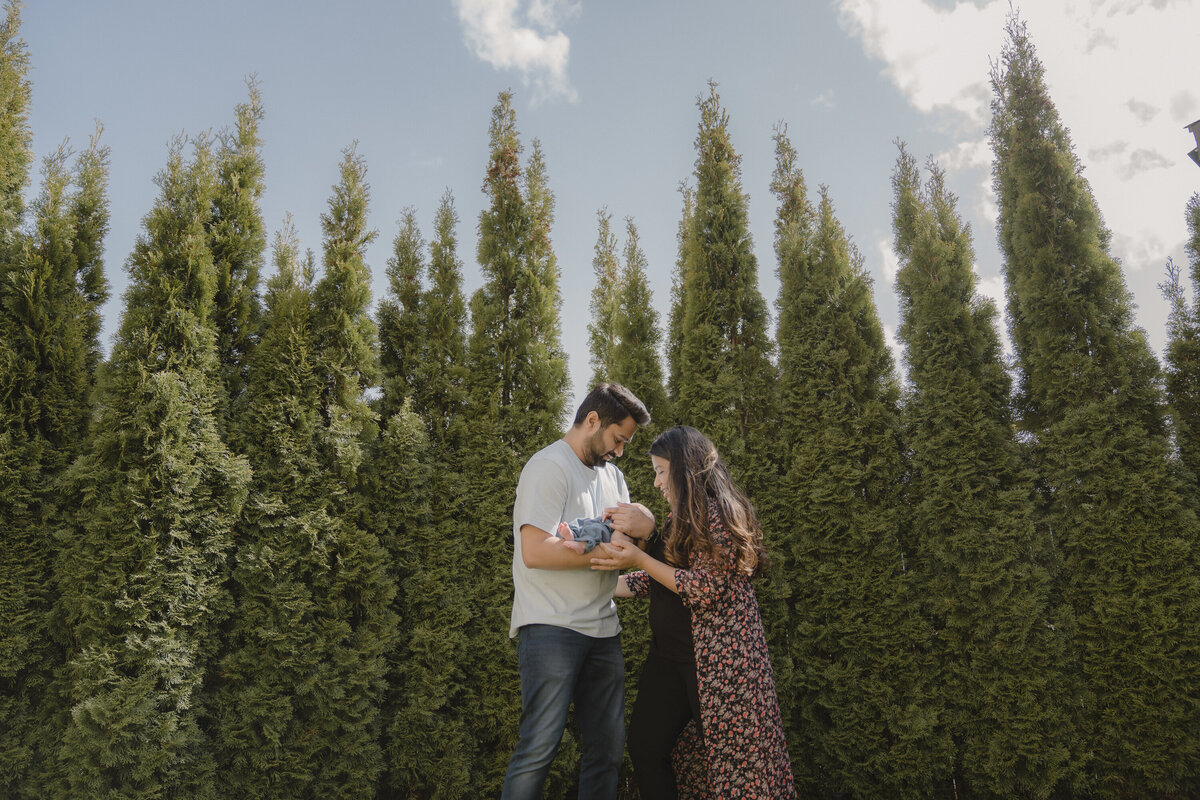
(610,89)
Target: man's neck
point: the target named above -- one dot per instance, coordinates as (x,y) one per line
(577,441)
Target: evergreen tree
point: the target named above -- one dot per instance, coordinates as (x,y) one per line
(1183,355)
(400,342)
(300,684)
(541,394)
(417,493)
(49,351)
(237,238)
(517,394)
(674,353)
(1090,406)
(141,575)
(358,601)
(16,137)
(442,369)
(427,735)
(981,562)
(606,300)
(855,698)
(637,364)
(726,378)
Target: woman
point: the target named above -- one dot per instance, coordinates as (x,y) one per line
(708,660)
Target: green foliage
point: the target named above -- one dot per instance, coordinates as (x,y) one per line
(416,490)
(237,239)
(50,292)
(303,669)
(856,702)
(1091,408)
(400,339)
(725,375)
(606,300)
(1002,672)
(16,137)
(674,352)
(638,365)
(428,739)
(517,385)
(143,565)
(345,335)
(442,368)
(1183,353)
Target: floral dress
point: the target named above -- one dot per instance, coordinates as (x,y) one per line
(744,751)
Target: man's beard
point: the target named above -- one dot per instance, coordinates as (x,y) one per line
(596,456)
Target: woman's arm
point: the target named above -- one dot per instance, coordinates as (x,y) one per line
(628,556)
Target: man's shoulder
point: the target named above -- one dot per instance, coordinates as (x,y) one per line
(551,454)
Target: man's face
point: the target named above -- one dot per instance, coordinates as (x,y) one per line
(608,442)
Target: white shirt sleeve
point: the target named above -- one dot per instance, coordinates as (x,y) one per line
(541,496)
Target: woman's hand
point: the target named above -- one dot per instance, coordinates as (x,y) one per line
(618,555)
(633,519)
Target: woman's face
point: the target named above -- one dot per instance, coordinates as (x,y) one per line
(662,478)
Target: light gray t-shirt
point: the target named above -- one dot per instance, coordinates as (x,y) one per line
(556,487)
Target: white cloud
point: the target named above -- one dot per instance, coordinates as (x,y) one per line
(893,343)
(824,99)
(971,154)
(888,261)
(1120,72)
(527,40)
(991,286)
(936,57)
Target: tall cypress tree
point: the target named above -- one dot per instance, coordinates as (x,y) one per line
(269,683)
(237,238)
(22,573)
(726,378)
(143,569)
(400,316)
(442,369)
(606,300)
(542,392)
(417,494)
(49,352)
(1090,405)
(517,393)
(16,137)
(855,697)
(637,364)
(1183,355)
(982,563)
(674,353)
(357,590)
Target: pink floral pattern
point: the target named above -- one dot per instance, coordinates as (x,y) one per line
(744,750)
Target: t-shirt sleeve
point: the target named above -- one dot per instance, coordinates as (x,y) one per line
(541,496)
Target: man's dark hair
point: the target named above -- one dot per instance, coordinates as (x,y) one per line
(612,402)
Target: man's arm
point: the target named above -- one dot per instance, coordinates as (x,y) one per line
(541,550)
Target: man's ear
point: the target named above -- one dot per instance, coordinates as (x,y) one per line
(591,422)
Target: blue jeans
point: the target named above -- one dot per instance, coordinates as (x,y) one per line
(559,666)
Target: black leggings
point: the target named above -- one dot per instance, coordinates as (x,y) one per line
(667,698)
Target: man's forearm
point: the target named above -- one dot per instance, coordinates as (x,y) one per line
(540,550)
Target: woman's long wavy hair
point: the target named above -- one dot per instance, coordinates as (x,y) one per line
(698,476)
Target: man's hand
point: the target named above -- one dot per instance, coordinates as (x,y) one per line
(632,519)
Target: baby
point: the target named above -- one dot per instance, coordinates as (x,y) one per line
(582,535)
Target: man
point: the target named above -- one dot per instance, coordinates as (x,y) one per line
(564,618)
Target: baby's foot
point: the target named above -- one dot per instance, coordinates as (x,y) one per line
(564,532)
